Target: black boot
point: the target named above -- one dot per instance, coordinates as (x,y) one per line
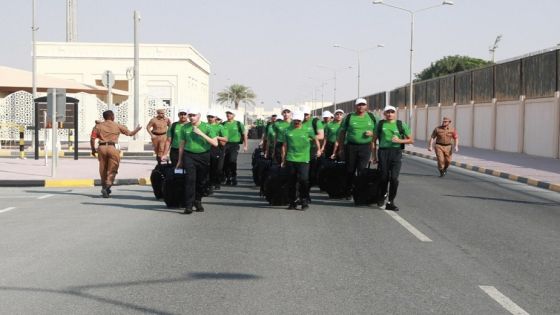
(198,206)
(188,210)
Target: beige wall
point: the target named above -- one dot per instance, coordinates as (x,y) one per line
(421,123)
(541,127)
(464,122)
(483,122)
(433,120)
(508,115)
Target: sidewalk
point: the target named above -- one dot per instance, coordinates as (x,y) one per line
(532,170)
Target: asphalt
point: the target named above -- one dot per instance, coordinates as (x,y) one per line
(69,251)
(136,167)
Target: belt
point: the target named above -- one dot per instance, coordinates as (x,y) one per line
(443,144)
(106,143)
(159,134)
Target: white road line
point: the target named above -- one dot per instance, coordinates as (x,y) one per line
(504,301)
(408,226)
(45,197)
(7,209)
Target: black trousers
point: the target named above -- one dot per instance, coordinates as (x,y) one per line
(357,157)
(329,148)
(278,152)
(299,180)
(196,166)
(390,161)
(216,165)
(174,156)
(230,159)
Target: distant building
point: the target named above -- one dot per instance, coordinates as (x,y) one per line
(172,76)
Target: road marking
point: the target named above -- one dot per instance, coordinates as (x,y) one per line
(408,226)
(503,300)
(7,209)
(45,197)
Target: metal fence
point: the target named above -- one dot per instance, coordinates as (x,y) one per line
(535,76)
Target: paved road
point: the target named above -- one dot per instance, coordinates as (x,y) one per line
(477,240)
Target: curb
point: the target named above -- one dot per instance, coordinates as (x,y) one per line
(487,171)
(71,183)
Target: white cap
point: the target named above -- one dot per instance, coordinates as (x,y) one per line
(389,107)
(298,116)
(361,101)
(213,113)
(231,111)
(284,108)
(339,111)
(305,110)
(194,110)
(182,110)
(327,114)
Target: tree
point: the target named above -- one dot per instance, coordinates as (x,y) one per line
(236,94)
(451,64)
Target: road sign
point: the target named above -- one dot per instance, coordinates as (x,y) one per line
(108,79)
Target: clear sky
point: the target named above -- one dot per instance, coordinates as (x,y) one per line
(274,47)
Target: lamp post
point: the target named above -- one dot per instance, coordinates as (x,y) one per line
(334,78)
(412,13)
(358,52)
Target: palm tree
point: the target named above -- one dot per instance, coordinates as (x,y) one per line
(237,93)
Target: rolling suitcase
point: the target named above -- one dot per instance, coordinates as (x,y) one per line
(174,188)
(331,178)
(157,177)
(366,187)
(276,186)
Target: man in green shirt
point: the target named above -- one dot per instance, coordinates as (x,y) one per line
(194,156)
(316,126)
(268,137)
(217,152)
(236,135)
(355,141)
(393,134)
(296,154)
(331,134)
(173,134)
(279,128)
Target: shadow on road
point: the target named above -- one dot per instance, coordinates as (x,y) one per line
(79,291)
(536,203)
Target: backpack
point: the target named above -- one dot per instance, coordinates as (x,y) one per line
(379,129)
(347,120)
(173,126)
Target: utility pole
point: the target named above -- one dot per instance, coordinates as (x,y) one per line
(136,72)
(71,29)
(493,48)
(34,57)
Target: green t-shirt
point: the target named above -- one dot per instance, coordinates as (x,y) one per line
(193,142)
(177,135)
(331,131)
(270,134)
(298,144)
(357,126)
(279,128)
(218,129)
(232,131)
(389,129)
(309,125)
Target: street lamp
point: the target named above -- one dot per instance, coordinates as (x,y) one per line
(334,78)
(358,52)
(411,12)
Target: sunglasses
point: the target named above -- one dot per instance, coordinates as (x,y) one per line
(389,111)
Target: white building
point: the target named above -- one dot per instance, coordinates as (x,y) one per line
(171,77)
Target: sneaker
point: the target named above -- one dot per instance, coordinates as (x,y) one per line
(198,206)
(292,206)
(188,210)
(441,173)
(109,190)
(391,206)
(104,192)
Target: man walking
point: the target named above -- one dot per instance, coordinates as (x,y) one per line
(216,152)
(331,134)
(157,128)
(236,135)
(296,154)
(444,136)
(393,134)
(268,138)
(173,137)
(356,142)
(194,156)
(279,128)
(316,126)
(107,133)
